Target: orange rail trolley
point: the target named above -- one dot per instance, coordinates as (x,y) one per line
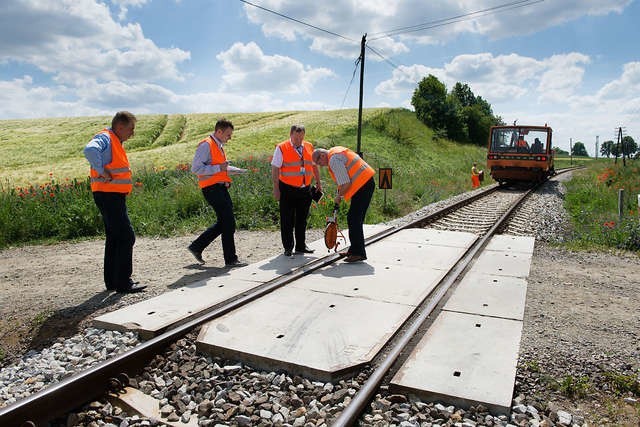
(520,153)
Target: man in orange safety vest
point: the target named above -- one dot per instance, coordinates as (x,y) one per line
(292,171)
(110,184)
(354,178)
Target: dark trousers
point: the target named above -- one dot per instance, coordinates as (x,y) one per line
(118,248)
(218,197)
(355,217)
(294,211)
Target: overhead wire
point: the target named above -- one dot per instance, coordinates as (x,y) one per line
(357,63)
(402,30)
(454,19)
(298,21)
(353,76)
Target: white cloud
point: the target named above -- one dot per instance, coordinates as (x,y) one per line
(404,81)
(74,40)
(415,21)
(248,69)
(21,98)
(547,90)
(124,6)
(628,83)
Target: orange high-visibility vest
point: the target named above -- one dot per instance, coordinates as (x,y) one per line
(217,157)
(359,172)
(118,168)
(296,171)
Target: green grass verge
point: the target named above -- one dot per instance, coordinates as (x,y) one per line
(45,195)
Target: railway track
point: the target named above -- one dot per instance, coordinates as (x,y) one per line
(490,209)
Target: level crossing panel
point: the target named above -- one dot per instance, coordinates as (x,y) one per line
(363,305)
(469,354)
(154,315)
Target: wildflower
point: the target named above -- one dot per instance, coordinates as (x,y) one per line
(52,194)
(609,224)
(138,184)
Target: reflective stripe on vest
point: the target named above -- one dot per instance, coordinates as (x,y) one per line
(118,168)
(359,172)
(217,157)
(296,171)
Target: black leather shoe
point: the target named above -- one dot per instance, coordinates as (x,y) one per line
(115,288)
(355,258)
(287,252)
(236,263)
(133,289)
(197,255)
(305,250)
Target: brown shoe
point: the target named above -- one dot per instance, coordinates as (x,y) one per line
(355,258)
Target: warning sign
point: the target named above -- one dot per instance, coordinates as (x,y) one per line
(385,178)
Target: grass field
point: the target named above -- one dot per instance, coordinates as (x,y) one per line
(43,170)
(45,196)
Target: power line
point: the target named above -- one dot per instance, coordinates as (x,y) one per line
(351,82)
(385,59)
(454,19)
(298,21)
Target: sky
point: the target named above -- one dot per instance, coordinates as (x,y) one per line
(572,64)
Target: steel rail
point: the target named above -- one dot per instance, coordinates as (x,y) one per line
(362,398)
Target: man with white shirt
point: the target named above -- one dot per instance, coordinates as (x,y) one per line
(291,172)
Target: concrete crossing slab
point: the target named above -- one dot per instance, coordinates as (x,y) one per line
(318,335)
(470,353)
(509,243)
(463,360)
(389,283)
(489,295)
(411,254)
(270,268)
(154,315)
(503,263)
(393,289)
(432,236)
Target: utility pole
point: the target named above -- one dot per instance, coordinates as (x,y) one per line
(571,151)
(597,136)
(362,43)
(624,163)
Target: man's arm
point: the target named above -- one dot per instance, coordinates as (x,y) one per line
(276,164)
(337,164)
(201,164)
(98,153)
(316,175)
(275,178)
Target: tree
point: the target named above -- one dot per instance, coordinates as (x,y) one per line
(455,120)
(478,124)
(463,93)
(559,150)
(606,149)
(629,146)
(429,102)
(464,116)
(579,150)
